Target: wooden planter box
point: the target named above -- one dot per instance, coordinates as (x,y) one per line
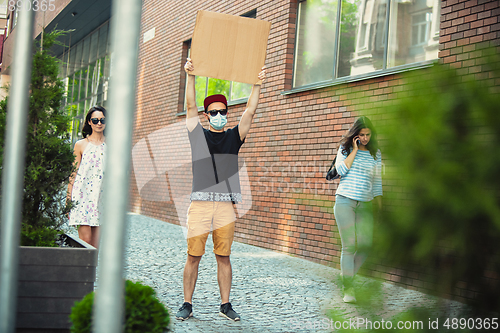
(51,279)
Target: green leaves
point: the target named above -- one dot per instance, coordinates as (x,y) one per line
(49,157)
(81,315)
(443,213)
(143,311)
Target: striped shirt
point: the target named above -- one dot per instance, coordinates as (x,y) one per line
(363,181)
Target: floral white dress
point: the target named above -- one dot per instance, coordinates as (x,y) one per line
(87,188)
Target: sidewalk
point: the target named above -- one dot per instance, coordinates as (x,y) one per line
(271,291)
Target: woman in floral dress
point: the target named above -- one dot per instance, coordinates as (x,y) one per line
(85,186)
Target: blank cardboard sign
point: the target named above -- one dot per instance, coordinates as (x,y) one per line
(229,47)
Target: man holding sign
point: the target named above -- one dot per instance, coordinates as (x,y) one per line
(215,187)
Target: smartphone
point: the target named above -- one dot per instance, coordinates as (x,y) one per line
(358,142)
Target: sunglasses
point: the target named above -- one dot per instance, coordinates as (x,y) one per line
(213,113)
(96,121)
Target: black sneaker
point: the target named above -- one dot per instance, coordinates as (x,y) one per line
(226,310)
(185,311)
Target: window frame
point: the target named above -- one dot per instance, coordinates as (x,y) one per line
(353,78)
(427,23)
(74,68)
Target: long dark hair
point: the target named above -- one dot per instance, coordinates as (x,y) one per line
(87,129)
(359,124)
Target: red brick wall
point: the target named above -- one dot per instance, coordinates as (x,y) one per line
(293,137)
(467,28)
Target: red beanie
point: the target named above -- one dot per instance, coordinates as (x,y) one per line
(214,98)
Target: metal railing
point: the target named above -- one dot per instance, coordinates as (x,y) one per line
(13,170)
(109,307)
(125,24)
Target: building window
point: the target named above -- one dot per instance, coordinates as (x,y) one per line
(421,24)
(85,69)
(15,15)
(342,38)
(317,22)
(7,26)
(206,86)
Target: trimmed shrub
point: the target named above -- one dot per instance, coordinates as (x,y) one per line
(143,311)
(81,315)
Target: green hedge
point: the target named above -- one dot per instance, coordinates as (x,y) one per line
(143,311)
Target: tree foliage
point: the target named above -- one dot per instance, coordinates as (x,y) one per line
(49,159)
(442,210)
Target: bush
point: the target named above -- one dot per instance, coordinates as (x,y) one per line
(49,157)
(81,315)
(143,311)
(442,210)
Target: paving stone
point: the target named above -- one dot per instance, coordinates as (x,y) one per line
(272,292)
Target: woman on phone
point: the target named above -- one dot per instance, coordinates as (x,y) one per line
(359,164)
(85,186)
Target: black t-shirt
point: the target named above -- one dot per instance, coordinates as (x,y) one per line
(215,164)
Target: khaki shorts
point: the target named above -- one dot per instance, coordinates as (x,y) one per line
(200,216)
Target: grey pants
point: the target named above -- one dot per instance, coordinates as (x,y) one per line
(355,223)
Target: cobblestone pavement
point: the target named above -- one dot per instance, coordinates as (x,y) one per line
(272,292)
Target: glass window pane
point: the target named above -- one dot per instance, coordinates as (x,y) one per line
(414,35)
(315,42)
(201,89)
(66,86)
(92,81)
(70,83)
(100,75)
(82,111)
(76,87)
(107,67)
(99,99)
(86,52)
(62,65)
(105,81)
(93,46)
(16,17)
(218,86)
(362,32)
(410,27)
(83,84)
(88,103)
(76,130)
(103,41)
(72,60)
(78,56)
(108,44)
(240,90)
(72,110)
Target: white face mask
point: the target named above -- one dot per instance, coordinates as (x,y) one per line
(218,122)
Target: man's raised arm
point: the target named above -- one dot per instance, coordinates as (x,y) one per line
(253,101)
(191,108)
